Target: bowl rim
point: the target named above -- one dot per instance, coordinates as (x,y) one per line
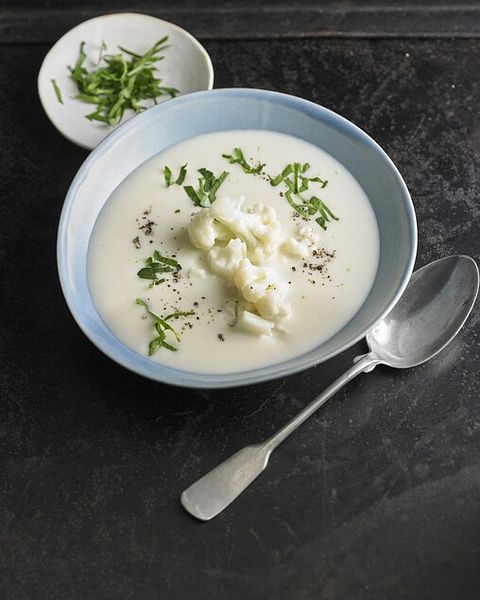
(183,378)
(111,16)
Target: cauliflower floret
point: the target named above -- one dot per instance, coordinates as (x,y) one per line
(296,248)
(300,244)
(266,233)
(252,323)
(237,242)
(258,227)
(307,232)
(229,216)
(224,261)
(261,287)
(273,306)
(253,281)
(201,230)
(228,211)
(204,230)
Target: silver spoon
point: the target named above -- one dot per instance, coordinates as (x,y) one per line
(432,310)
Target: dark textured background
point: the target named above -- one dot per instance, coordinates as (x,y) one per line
(45,20)
(376,497)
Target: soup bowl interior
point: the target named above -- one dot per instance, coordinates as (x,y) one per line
(221,110)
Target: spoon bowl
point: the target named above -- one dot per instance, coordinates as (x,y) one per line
(431,311)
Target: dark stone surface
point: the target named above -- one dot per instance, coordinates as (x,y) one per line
(46,20)
(377,496)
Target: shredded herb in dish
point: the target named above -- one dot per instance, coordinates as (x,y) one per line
(167,173)
(162,327)
(120,82)
(207,190)
(156,264)
(237,157)
(57,91)
(310,207)
(296,180)
(294,175)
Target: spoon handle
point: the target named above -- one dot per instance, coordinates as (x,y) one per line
(362,364)
(213,492)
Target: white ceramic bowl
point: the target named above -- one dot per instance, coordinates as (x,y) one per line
(219,110)
(186,67)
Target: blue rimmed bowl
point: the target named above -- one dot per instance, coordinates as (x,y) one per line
(182,118)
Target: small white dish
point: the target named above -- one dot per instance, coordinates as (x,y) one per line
(186,67)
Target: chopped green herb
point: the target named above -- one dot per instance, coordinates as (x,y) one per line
(279,178)
(58,93)
(168,261)
(194,197)
(207,190)
(103,47)
(161,328)
(156,264)
(179,313)
(297,182)
(237,157)
(325,213)
(167,173)
(309,207)
(119,83)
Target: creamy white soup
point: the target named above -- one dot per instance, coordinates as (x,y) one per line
(232,251)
